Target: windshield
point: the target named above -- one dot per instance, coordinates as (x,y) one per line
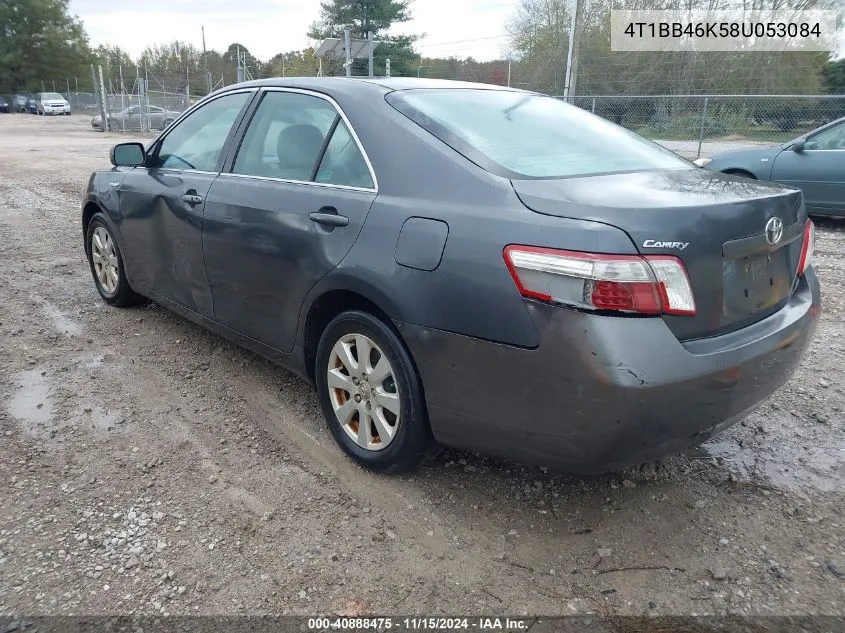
(522,135)
(52,96)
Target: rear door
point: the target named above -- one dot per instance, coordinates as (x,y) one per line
(162,204)
(819,170)
(286,213)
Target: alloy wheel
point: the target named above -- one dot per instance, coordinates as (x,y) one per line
(104,257)
(363,392)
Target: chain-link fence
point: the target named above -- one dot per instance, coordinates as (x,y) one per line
(702,125)
(692,125)
(128,112)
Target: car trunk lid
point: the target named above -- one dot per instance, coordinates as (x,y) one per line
(716,224)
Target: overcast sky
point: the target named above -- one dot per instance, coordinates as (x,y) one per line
(267,27)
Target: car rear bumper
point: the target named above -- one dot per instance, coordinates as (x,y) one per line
(604,392)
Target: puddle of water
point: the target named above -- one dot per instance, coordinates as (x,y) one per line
(99,419)
(785,466)
(61,321)
(30,403)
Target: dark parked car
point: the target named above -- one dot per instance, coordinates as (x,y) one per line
(814,162)
(4,105)
(31,105)
(481,266)
(19,102)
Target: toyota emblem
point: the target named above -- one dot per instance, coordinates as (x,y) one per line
(774,231)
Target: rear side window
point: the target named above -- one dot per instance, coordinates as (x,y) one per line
(285,137)
(343,163)
(521,135)
(291,132)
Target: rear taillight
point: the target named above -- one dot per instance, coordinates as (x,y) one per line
(808,248)
(622,283)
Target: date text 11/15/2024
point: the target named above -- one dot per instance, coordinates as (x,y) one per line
(373,623)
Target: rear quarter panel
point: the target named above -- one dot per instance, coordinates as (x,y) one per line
(471,291)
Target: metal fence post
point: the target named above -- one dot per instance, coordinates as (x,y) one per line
(701,131)
(593,107)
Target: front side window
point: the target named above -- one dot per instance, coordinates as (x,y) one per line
(198,140)
(522,135)
(831,138)
(285,137)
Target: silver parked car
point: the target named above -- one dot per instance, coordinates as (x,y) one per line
(131,118)
(51,103)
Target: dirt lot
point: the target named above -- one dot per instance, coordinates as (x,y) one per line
(148,466)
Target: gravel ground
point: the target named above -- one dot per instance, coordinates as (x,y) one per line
(148,466)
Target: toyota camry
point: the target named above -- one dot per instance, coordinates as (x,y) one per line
(463,264)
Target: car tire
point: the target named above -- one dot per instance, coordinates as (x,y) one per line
(390,397)
(106,263)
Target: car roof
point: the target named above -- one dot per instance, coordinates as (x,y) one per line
(363,85)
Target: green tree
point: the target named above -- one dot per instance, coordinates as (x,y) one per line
(292,64)
(833,77)
(362,17)
(39,40)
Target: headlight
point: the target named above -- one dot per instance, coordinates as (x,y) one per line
(702,162)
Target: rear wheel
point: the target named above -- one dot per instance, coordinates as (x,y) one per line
(106,264)
(371,395)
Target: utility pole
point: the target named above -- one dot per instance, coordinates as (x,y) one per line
(205,61)
(348,53)
(370,45)
(572,55)
(122,87)
(102,90)
(509,69)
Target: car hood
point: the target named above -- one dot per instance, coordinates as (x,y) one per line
(748,157)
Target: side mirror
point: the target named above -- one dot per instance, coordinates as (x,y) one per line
(798,146)
(128,155)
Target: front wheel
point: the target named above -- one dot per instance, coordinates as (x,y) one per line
(371,395)
(106,264)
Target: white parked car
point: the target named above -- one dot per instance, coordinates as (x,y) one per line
(51,103)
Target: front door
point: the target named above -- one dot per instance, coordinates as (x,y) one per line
(287,213)
(819,170)
(162,204)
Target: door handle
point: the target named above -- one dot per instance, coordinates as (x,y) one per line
(329,219)
(192,199)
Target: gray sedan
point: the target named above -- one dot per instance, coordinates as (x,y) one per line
(814,162)
(465,264)
(132,118)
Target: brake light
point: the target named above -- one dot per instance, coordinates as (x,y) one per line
(623,283)
(808,248)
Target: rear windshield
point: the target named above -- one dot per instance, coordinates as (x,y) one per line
(521,135)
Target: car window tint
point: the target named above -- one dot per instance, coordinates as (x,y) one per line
(285,136)
(197,141)
(518,134)
(343,163)
(831,138)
